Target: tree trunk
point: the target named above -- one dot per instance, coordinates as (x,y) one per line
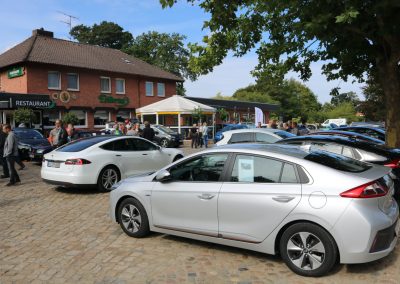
(390,79)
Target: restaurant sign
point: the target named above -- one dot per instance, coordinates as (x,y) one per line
(15,72)
(123,101)
(33,103)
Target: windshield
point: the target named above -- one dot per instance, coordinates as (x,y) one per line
(337,162)
(82,144)
(28,134)
(165,129)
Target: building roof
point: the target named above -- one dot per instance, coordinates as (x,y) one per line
(240,105)
(174,104)
(41,47)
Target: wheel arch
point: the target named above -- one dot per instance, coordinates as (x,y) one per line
(120,200)
(109,165)
(283,229)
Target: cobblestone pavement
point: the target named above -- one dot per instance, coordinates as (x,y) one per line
(56,235)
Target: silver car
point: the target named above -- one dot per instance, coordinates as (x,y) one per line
(311,207)
(253,135)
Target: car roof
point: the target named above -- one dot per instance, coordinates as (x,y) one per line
(262,130)
(349,134)
(377,129)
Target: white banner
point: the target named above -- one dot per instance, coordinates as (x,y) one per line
(259,116)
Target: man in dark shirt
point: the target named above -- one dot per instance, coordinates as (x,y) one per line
(148,132)
(3,161)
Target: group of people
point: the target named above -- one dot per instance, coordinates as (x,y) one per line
(133,129)
(9,155)
(199,135)
(289,126)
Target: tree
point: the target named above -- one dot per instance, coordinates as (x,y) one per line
(347,97)
(352,37)
(70,118)
(106,34)
(373,107)
(166,51)
(223,114)
(24,115)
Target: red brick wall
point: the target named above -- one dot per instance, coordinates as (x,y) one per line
(14,85)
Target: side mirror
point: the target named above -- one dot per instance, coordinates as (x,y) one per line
(163,176)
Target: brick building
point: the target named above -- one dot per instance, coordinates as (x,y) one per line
(98,84)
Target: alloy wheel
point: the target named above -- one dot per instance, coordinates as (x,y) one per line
(164,143)
(306,251)
(131,218)
(109,178)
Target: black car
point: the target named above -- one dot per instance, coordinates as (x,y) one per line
(166,137)
(31,143)
(356,149)
(375,132)
(350,134)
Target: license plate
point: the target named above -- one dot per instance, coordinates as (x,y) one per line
(53,164)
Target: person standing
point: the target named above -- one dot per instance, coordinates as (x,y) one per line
(205,134)
(194,135)
(148,132)
(200,136)
(11,154)
(71,133)
(295,129)
(3,160)
(58,136)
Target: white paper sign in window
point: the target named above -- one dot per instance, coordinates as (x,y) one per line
(246,170)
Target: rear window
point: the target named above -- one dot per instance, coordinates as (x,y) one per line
(337,162)
(284,134)
(81,144)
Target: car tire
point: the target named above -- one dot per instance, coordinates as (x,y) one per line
(107,178)
(164,143)
(308,249)
(133,218)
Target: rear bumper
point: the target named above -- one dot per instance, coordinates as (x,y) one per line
(72,178)
(66,184)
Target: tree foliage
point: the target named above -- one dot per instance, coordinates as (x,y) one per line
(24,115)
(70,118)
(351,37)
(106,34)
(346,97)
(373,107)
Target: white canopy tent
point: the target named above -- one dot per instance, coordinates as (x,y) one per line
(175,105)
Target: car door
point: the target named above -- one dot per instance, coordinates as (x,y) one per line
(150,155)
(130,160)
(258,194)
(188,202)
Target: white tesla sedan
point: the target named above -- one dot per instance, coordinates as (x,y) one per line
(104,160)
(311,207)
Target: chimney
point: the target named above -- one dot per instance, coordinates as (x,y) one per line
(42,32)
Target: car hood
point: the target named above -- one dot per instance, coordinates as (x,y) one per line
(148,176)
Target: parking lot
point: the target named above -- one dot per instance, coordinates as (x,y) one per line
(57,235)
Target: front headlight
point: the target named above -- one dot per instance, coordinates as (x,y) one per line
(116,185)
(40,151)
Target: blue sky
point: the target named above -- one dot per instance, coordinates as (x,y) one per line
(19,18)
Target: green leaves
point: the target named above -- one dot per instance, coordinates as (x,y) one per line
(348,16)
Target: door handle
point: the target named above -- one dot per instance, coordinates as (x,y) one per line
(144,154)
(117,155)
(206,196)
(283,199)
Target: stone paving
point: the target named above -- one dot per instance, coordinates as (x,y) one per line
(57,235)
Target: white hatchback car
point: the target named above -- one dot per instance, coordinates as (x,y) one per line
(253,135)
(313,208)
(104,160)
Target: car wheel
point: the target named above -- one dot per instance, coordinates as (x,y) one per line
(308,249)
(107,178)
(164,143)
(133,218)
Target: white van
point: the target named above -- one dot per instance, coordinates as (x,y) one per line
(336,121)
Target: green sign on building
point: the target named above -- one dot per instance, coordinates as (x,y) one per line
(15,72)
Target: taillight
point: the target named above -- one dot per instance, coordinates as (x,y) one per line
(393,164)
(77,162)
(368,190)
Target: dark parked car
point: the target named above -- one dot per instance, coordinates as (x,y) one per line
(31,143)
(349,134)
(375,132)
(219,135)
(85,133)
(166,137)
(356,149)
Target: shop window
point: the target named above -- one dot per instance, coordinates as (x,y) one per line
(120,86)
(105,84)
(73,82)
(122,115)
(49,118)
(149,89)
(54,80)
(101,117)
(160,89)
(82,117)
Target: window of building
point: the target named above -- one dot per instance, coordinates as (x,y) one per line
(122,115)
(49,118)
(120,86)
(73,82)
(105,84)
(149,89)
(100,118)
(161,89)
(54,80)
(82,117)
